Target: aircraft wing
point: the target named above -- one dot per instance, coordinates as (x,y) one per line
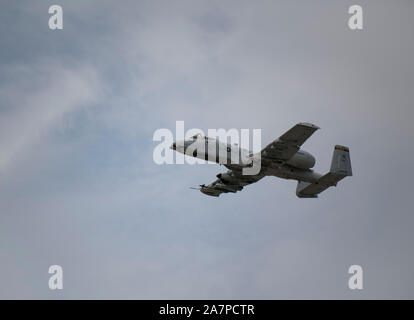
(288,144)
(231,181)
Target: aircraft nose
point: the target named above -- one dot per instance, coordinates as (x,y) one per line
(173,146)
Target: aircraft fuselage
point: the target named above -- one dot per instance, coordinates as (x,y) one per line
(233,157)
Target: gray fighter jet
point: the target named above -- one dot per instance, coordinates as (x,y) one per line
(281,158)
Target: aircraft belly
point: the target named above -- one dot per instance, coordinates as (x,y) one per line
(287,172)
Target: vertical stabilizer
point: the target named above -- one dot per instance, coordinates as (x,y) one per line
(341,161)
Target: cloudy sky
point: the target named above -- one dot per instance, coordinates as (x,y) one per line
(79,188)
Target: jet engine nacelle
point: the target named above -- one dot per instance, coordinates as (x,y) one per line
(302,160)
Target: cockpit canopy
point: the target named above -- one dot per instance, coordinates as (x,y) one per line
(197,136)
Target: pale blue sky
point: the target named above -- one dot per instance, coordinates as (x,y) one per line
(78,187)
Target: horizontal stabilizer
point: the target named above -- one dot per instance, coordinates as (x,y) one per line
(311,190)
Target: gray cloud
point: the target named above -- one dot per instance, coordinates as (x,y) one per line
(78,186)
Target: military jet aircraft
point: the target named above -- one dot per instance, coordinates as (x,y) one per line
(281,158)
